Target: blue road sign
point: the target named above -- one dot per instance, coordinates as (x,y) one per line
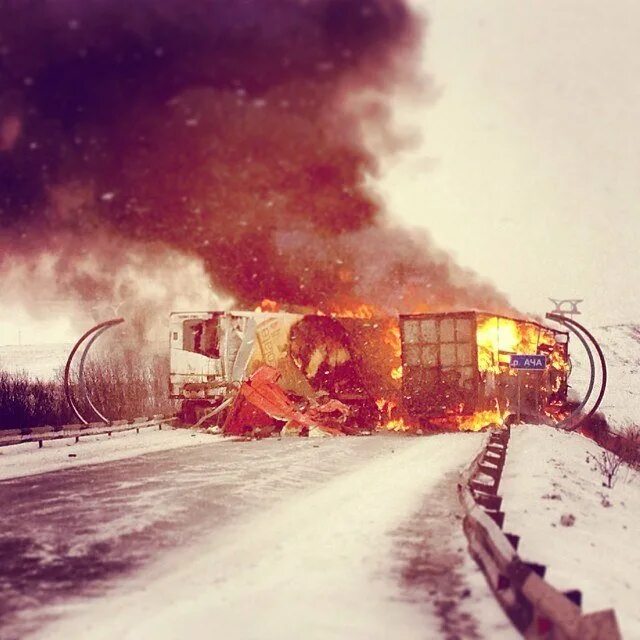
(532,362)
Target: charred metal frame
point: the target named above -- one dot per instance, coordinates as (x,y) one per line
(94,333)
(572,422)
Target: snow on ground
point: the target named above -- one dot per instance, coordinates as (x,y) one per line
(323,562)
(27,459)
(546,475)
(621,346)
(38,361)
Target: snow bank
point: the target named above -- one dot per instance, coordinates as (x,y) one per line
(546,476)
(320,564)
(27,459)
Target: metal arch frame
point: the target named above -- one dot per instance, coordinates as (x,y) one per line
(83,384)
(580,331)
(95,333)
(603,361)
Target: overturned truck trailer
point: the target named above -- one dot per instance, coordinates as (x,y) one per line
(427,370)
(214,353)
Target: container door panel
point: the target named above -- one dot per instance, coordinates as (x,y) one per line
(439,358)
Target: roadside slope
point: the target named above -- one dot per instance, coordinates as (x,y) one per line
(547,476)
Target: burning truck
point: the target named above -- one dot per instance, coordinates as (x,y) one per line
(259,373)
(456,366)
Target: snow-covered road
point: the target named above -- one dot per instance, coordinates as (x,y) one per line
(338,538)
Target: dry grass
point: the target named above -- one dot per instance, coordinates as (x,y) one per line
(128,385)
(28,403)
(122,386)
(620,448)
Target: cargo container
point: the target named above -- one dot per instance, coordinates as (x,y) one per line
(459,363)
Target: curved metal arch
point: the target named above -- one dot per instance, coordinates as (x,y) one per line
(603,362)
(83,385)
(576,417)
(98,329)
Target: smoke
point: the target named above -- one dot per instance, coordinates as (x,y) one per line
(138,138)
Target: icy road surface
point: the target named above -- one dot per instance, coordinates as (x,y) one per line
(338,538)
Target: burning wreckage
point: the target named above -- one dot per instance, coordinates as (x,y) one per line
(263,373)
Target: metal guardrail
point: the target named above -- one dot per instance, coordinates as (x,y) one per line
(42,434)
(536,609)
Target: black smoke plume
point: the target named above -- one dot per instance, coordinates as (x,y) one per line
(230,131)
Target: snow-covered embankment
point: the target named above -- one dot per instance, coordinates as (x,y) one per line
(547,476)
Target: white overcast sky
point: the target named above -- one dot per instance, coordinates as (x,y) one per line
(529,168)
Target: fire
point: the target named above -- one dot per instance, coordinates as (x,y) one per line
(393,421)
(557,359)
(268,306)
(392,338)
(396,373)
(362,311)
(380,341)
(398,424)
(499,337)
(481,419)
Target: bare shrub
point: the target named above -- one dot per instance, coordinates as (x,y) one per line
(597,428)
(122,385)
(129,384)
(608,464)
(26,403)
(629,446)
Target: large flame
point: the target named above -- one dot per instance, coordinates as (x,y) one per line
(499,337)
(361,311)
(481,419)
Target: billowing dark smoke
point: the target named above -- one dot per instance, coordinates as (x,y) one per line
(232,131)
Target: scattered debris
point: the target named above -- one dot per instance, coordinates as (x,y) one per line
(567,520)
(263,408)
(604,501)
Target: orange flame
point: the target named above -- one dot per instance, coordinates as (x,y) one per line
(481,419)
(397,424)
(268,306)
(499,337)
(362,311)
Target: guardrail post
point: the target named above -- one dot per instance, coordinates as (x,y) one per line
(540,569)
(513,540)
(575,595)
